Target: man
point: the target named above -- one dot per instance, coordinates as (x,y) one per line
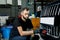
(22,26)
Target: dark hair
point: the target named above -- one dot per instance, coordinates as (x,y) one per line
(22,9)
(25,8)
(10,21)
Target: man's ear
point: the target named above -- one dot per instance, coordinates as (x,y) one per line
(22,13)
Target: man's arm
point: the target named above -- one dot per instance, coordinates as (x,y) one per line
(23,33)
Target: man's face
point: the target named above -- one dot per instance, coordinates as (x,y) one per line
(25,14)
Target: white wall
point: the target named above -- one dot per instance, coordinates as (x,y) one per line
(2,1)
(9,1)
(19,2)
(5,1)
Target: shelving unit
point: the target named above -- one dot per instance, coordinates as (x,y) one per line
(9,7)
(51,25)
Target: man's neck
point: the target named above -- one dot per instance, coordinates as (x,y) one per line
(23,19)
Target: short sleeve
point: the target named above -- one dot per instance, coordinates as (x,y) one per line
(16,23)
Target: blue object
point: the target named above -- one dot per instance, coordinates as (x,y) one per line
(6,31)
(19,38)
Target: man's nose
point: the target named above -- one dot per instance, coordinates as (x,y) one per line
(27,15)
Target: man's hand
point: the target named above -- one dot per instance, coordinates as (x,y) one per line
(32,35)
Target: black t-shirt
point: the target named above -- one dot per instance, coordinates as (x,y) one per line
(19,22)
